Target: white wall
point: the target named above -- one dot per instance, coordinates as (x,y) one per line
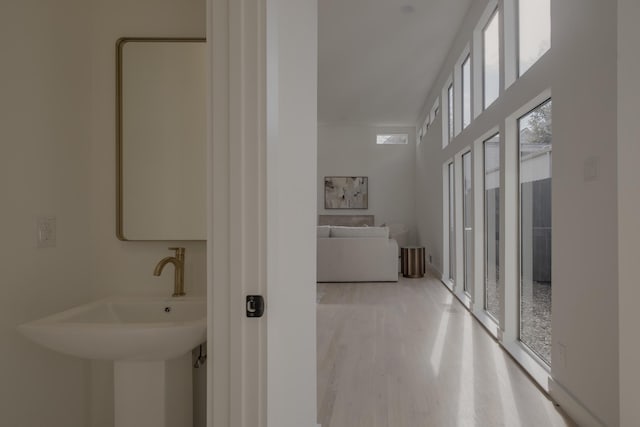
(44,169)
(585,252)
(428,196)
(581,71)
(58,124)
(628,209)
(126,267)
(351,150)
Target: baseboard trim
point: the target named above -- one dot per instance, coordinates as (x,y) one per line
(572,406)
(433,270)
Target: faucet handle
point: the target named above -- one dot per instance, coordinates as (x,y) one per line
(179,251)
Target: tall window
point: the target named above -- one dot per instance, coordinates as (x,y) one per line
(466,92)
(492,295)
(535,230)
(435,109)
(491,59)
(467,221)
(452,225)
(450,112)
(534,31)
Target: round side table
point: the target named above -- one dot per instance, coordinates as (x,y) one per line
(412,261)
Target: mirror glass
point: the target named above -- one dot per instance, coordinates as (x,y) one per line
(161,139)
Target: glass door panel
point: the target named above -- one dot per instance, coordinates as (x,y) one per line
(492,295)
(535,230)
(467,221)
(452,222)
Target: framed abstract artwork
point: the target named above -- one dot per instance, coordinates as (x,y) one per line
(346,192)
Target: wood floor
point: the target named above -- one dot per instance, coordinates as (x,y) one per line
(408,354)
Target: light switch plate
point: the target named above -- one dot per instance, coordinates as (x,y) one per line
(590,169)
(46,231)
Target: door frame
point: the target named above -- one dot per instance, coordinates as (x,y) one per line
(262,162)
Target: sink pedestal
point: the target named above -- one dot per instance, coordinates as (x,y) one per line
(150,340)
(153,393)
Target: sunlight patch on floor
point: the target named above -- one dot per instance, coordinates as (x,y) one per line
(438,346)
(505,390)
(467,403)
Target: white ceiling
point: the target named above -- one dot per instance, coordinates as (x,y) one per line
(377,59)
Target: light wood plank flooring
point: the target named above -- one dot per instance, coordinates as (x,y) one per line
(408,354)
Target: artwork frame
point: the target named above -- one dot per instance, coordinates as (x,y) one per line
(346,192)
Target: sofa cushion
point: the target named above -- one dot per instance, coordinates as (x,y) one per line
(360,232)
(324,230)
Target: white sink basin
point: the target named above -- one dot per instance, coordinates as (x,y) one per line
(124,328)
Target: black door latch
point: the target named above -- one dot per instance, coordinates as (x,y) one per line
(255,306)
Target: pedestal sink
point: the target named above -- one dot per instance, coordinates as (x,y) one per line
(150,341)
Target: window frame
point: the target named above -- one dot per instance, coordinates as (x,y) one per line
(457,90)
(520,229)
(448,119)
(467,241)
(518,33)
(510,246)
(495,14)
(485,241)
(449,230)
(464,106)
(390,135)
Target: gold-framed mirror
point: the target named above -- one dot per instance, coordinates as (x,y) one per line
(161,139)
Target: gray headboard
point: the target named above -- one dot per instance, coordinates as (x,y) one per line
(347,220)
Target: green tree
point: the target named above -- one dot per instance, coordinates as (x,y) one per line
(539,124)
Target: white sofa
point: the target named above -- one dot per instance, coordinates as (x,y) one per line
(356,254)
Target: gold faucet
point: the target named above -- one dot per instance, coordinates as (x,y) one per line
(178,263)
